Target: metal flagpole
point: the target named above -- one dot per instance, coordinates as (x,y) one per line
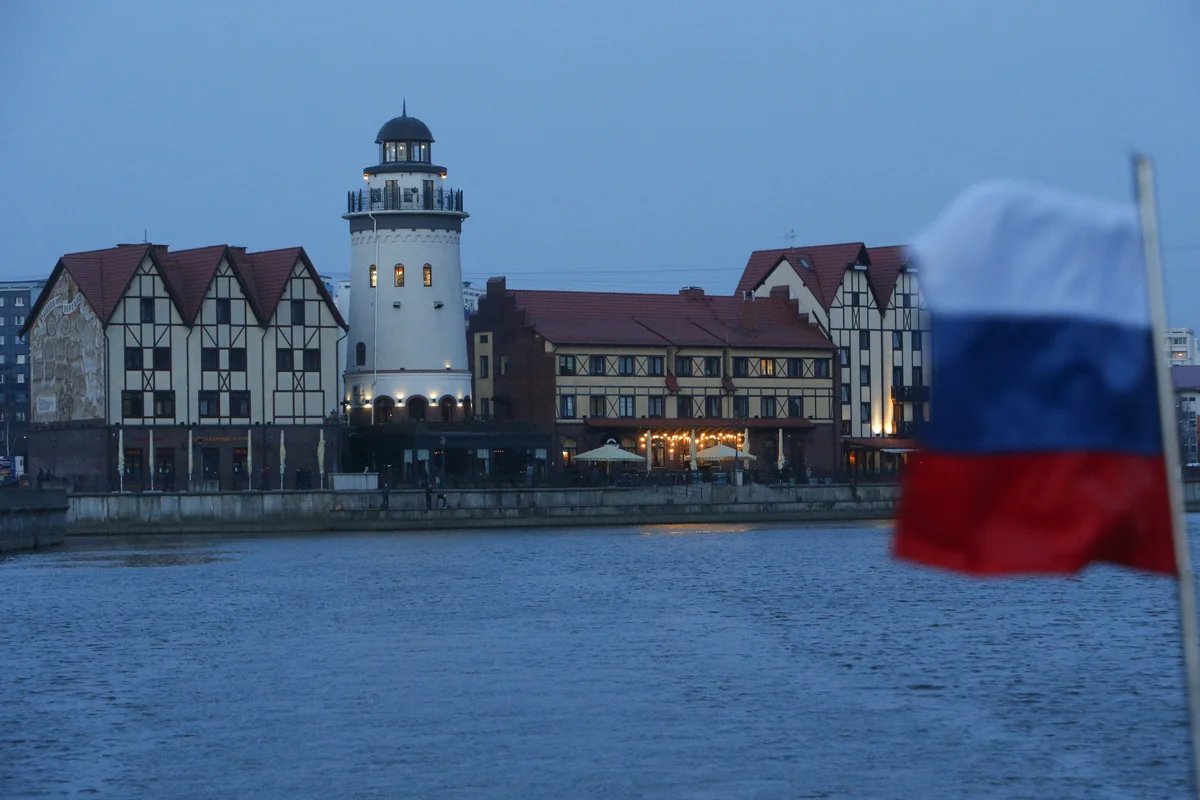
(1147,211)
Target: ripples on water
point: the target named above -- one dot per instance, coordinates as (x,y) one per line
(704,661)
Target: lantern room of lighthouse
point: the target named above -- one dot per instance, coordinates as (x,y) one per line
(406,353)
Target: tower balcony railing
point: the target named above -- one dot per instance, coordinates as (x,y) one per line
(384,199)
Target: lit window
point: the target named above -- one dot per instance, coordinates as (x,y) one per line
(766,367)
(427,275)
(399,274)
(371,273)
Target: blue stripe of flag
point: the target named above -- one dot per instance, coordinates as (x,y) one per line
(1042,384)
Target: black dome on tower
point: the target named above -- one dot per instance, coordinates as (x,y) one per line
(404,129)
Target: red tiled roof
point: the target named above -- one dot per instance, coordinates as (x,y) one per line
(886,264)
(104,275)
(658,320)
(187,275)
(827,262)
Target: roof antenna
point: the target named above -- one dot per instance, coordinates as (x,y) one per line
(145,240)
(791,236)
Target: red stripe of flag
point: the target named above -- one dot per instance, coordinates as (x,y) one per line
(1035,512)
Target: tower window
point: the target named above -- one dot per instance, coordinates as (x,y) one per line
(427,275)
(395,151)
(223,311)
(399,274)
(372,275)
(360,354)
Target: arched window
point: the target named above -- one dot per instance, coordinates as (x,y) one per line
(373,277)
(399,274)
(427,274)
(360,354)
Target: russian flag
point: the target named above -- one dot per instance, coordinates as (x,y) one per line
(1044,451)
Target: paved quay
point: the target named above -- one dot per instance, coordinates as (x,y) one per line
(286,511)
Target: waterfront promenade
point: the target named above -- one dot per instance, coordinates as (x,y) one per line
(289,511)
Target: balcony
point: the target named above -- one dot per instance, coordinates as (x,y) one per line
(360,201)
(910,394)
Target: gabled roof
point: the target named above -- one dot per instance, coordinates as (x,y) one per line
(103,276)
(187,275)
(658,320)
(826,264)
(886,265)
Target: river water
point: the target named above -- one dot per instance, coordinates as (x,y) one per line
(701,661)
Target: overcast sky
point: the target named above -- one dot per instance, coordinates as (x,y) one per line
(633,146)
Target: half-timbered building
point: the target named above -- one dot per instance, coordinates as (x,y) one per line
(205,368)
(867,301)
(660,374)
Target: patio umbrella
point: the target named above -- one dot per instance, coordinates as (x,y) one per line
(608,454)
(723,452)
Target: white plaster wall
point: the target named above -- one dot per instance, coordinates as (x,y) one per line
(411,328)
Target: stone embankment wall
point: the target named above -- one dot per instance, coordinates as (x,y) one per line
(477,508)
(31,518)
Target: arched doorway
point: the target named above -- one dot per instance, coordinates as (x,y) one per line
(384,406)
(446,405)
(416,406)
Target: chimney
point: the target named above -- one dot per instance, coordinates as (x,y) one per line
(497,286)
(780,292)
(692,292)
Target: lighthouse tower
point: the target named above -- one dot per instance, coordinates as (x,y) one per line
(406,352)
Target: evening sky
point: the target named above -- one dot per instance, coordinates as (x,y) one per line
(632,146)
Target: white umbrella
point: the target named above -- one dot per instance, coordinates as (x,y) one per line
(152,459)
(121,459)
(779,452)
(609,453)
(189,459)
(321,458)
(282,459)
(249,459)
(722,452)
